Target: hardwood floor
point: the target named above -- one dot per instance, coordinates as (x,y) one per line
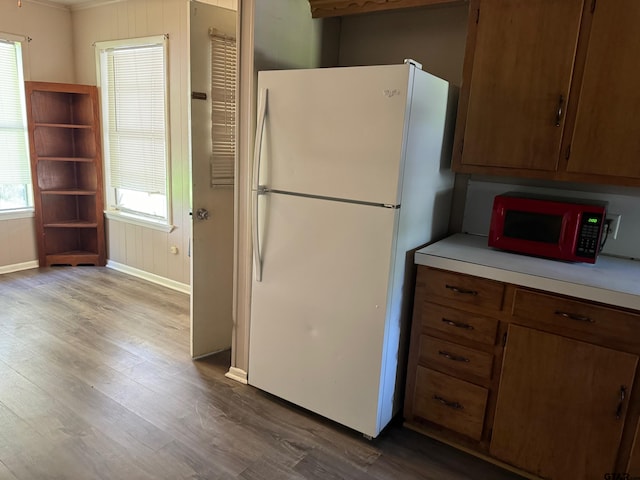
(96,382)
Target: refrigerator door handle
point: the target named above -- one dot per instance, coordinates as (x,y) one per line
(257,147)
(258,189)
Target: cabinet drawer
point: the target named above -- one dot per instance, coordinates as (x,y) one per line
(458,323)
(462,289)
(576,315)
(449,402)
(453,358)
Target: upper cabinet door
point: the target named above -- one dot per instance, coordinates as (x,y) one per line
(606,138)
(520,57)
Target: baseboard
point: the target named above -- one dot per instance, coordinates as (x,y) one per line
(237,374)
(16,267)
(151,277)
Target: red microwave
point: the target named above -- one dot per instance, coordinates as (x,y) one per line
(551,227)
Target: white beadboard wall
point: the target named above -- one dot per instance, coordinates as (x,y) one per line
(49,54)
(229,4)
(18,239)
(61,50)
(48,58)
(131,245)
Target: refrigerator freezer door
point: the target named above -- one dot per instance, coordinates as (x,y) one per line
(336,132)
(318,316)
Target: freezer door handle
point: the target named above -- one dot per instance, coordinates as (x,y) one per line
(257,154)
(257,147)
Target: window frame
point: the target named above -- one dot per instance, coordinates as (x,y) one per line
(111,210)
(23,73)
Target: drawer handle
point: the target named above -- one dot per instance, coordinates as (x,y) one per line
(448,403)
(466,326)
(451,356)
(623,392)
(573,316)
(463,291)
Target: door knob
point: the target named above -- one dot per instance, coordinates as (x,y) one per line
(202,214)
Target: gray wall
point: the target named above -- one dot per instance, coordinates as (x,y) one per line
(434,36)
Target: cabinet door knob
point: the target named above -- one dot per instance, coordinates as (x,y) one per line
(559,111)
(623,394)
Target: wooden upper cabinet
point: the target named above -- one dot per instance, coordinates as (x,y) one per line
(606,137)
(561,405)
(520,56)
(550,91)
(338,8)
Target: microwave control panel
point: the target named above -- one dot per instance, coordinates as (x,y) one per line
(588,242)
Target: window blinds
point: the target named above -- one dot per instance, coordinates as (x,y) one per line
(136,79)
(14,156)
(223,109)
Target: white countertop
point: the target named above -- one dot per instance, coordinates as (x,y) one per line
(611,280)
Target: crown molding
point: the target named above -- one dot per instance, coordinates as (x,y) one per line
(93,4)
(46,3)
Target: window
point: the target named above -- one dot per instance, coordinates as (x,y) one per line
(15,176)
(133,86)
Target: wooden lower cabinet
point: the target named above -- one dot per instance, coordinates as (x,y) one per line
(454,359)
(451,356)
(538,383)
(561,405)
(633,466)
(450,402)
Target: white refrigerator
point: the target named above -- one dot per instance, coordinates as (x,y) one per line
(351,171)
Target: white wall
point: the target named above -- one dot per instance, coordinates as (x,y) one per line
(134,246)
(49,54)
(61,50)
(48,58)
(19,249)
(229,4)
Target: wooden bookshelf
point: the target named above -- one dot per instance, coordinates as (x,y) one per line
(66,168)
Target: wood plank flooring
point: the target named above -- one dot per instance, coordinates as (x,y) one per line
(96,382)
